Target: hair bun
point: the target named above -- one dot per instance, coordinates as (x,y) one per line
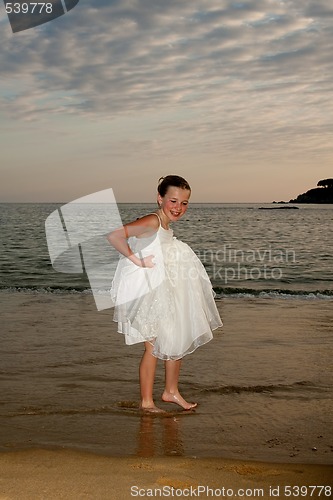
(171,180)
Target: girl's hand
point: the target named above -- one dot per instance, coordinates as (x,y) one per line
(148,261)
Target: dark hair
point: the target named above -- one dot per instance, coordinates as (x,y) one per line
(171,180)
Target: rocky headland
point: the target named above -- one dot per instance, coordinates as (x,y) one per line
(323,193)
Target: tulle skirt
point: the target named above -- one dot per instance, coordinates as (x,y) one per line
(170,305)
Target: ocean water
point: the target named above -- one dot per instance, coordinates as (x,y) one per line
(245,250)
(264,384)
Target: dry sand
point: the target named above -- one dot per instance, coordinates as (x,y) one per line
(64,474)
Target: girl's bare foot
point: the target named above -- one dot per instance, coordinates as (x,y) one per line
(176,398)
(151,408)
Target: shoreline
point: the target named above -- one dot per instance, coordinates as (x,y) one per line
(67,474)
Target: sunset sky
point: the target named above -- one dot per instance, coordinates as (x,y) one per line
(235,96)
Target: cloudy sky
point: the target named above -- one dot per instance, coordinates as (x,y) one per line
(234,96)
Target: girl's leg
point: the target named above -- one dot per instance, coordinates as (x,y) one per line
(171,393)
(147,376)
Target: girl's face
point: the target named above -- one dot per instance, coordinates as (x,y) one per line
(174,203)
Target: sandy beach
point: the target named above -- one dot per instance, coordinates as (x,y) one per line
(53,475)
(71,428)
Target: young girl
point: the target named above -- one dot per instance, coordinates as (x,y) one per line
(162,294)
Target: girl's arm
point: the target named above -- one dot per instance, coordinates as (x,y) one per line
(146,226)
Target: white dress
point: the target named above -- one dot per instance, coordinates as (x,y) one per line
(170,305)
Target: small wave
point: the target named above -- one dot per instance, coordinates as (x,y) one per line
(301,386)
(273,293)
(220,292)
(127,408)
(46,290)
(37,411)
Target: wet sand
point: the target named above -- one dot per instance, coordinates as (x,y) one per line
(264,384)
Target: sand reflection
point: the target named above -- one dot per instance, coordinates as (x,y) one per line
(159,436)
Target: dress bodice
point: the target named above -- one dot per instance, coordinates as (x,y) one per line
(161,237)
